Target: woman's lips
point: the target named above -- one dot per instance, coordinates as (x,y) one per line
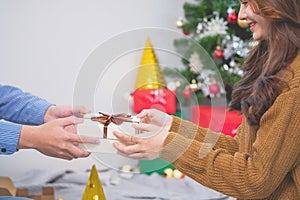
(252,26)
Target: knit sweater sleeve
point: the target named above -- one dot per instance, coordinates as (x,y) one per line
(256,175)
(192,131)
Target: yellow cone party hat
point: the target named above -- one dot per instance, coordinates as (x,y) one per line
(149,75)
(93,189)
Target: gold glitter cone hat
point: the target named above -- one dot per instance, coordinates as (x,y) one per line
(93,189)
(149,75)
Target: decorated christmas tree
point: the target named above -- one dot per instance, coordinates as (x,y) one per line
(213,25)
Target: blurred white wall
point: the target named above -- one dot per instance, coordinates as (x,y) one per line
(45,43)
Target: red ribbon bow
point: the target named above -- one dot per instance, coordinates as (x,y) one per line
(106,119)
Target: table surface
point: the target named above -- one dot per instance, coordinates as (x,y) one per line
(70,185)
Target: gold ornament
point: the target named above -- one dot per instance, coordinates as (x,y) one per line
(242,23)
(149,75)
(93,189)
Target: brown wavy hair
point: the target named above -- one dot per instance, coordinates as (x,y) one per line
(261,84)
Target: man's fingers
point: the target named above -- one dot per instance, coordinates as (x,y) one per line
(80,111)
(72,120)
(76,152)
(71,128)
(72,151)
(89,139)
(76,139)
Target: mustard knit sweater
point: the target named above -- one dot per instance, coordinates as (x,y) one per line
(259,163)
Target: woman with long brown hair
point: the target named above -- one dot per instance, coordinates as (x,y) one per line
(262,161)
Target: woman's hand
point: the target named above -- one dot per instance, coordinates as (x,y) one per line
(154,128)
(53,139)
(155,117)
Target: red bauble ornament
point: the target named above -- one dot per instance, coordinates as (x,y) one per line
(185,32)
(214,89)
(232,18)
(218,53)
(187,93)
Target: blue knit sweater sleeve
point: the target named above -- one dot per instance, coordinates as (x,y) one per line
(19,108)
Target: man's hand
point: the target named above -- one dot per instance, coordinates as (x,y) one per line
(55,112)
(52,139)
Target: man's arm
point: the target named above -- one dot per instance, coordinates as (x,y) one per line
(9,137)
(21,107)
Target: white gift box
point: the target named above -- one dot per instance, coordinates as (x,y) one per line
(95,129)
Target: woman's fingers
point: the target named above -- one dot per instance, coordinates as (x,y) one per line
(133,151)
(134,147)
(127,149)
(123,138)
(144,113)
(155,117)
(141,127)
(137,156)
(148,130)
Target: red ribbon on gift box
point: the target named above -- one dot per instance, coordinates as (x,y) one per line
(106,119)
